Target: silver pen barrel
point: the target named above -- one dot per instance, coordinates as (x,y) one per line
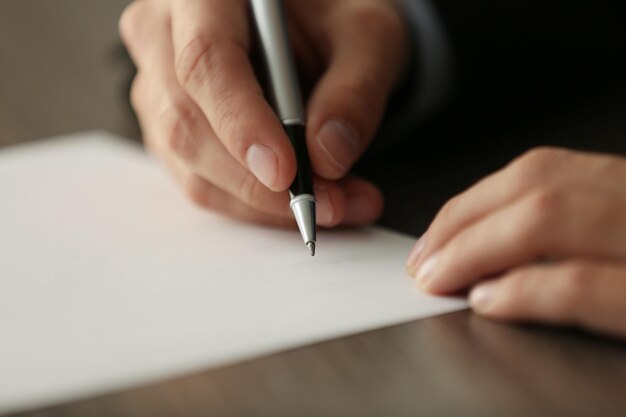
(272,28)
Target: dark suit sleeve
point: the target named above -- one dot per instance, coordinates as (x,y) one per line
(511,49)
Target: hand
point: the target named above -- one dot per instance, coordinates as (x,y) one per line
(203,112)
(542,240)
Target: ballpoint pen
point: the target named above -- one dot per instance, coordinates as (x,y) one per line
(271,25)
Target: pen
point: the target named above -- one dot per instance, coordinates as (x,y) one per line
(272,28)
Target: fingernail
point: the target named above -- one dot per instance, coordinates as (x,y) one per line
(340,142)
(425,271)
(324,210)
(411,263)
(263,163)
(481,296)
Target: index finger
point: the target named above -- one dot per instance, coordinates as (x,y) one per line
(558,224)
(535,170)
(211,42)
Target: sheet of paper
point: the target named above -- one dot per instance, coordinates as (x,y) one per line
(110,278)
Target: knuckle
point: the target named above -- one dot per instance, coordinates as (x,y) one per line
(130,20)
(178,122)
(197,59)
(544,204)
(541,155)
(569,288)
(197,65)
(449,208)
(188,60)
(377,18)
(544,201)
(611,166)
(226,116)
(539,161)
(537,217)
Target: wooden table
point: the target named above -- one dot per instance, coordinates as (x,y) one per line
(62,70)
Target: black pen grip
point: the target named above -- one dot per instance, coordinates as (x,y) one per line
(303,183)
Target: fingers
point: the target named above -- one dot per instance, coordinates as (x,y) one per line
(231,190)
(184,134)
(488,195)
(211,54)
(178,132)
(541,168)
(364,202)
(132,27)
(187,135)
(145,30)
(207,195)
(544,225)
(200,191)
(332,203)
(367,55)
(581,293)
(176,129)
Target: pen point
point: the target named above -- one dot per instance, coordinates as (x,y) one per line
(311,246)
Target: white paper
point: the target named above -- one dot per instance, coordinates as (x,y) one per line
(110,278)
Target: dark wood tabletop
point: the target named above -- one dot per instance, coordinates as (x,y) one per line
(62,69)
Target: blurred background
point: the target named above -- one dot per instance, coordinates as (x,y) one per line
(62,69)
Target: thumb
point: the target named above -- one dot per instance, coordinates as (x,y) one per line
(367,56)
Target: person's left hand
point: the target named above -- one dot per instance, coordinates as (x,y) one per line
(542,240)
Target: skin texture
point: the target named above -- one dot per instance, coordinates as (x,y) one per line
(542,240)
(203,112)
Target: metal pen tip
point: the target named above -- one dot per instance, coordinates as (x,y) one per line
(311,246)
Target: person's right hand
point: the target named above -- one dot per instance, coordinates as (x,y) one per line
(203,112)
